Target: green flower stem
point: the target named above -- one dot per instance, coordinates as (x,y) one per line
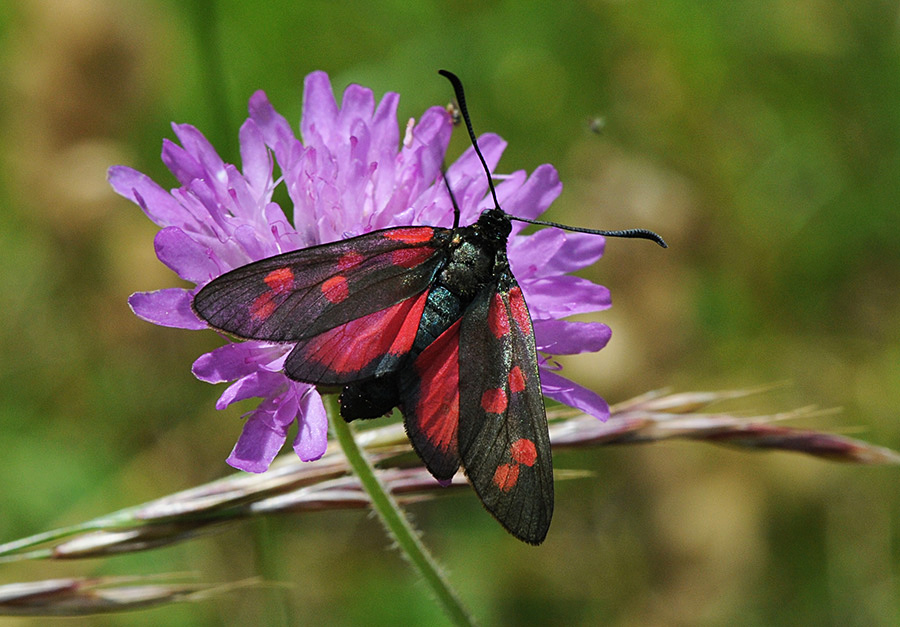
(395,520)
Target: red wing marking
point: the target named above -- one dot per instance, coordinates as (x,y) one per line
(351,347)
(349,260)
(437,409)
(516,380)
(498,321)
(407,333)
(410,257)
(411,235)
(335,289)
(506,476)
(494,401)
(262,306)
(519,310)
(280,281)
(524,452)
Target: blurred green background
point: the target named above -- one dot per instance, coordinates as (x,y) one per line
(761,138)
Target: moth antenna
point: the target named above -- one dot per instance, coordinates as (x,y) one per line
(461,101)
(628,233)
(456,211)
(464,111)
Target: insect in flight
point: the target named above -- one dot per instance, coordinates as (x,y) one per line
(427,319)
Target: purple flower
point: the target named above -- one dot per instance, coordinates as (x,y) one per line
(351,174)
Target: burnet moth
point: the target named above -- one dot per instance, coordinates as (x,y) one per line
(426,319)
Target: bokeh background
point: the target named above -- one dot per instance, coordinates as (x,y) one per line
(761,138)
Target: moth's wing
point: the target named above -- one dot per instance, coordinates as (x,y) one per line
(429,401)
(370,346)
(302,294)
(503,439)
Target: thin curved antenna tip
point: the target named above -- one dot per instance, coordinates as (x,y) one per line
(637,234)
(464,111)
(641,234)
(626,233)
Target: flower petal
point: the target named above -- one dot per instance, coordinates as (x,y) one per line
(312,433)
(256,162)
(170,307)
(189,259)
(320,110)
(552,251)
(539,191)
(236,360)
(357,104)
(385,133)
(181,163)
(260,384)
(561,389)
(562,296)
(156,202)
(276,131)
(205,162)
(259,443)
(467,179)
(561,337)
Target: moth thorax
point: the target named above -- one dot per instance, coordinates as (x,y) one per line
(468,269)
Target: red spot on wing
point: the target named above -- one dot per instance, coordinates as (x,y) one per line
(506,476)
(494,401)
(335,289)
(263,306)
(410,257)
(411,235)
(524,452)
(352,346)
(437,409)
(280,280)
(349,260)
(520,310)
(498,320)
(516,380)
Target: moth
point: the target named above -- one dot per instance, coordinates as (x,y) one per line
(429,320)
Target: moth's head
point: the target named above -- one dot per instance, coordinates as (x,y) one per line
(496,221)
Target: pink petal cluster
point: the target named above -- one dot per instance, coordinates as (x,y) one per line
(350,174)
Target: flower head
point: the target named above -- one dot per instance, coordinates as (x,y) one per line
(349,175)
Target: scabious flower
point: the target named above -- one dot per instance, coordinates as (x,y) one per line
(349,175)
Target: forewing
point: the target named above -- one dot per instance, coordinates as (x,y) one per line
(504,443)
(302,294)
